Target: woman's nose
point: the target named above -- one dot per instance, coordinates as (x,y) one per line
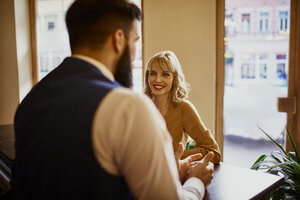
(158,78)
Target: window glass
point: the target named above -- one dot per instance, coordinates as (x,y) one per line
(245,24)
(256,67)
(53,39)
(264,22)
(283,20)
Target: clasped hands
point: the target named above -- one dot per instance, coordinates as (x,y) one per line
(192,166)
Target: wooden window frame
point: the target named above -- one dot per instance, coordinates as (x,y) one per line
(33,38)
(293,119)
(220,73)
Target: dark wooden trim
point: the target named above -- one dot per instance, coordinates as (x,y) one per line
(293,119)
(32,19)
(220,4)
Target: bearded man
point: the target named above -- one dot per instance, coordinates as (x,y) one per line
(82,134)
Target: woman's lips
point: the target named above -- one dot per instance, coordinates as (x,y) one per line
(158,87)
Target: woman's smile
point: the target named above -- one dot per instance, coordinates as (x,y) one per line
(158,87)
(160,80)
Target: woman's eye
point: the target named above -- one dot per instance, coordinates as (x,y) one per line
(152,73)
(166,74)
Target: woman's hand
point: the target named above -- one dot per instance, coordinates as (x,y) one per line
(186,165)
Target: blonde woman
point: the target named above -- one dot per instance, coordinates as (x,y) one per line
(165,84)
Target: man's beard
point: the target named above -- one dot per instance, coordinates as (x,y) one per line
(123,73)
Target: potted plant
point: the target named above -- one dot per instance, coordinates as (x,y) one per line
(282,163)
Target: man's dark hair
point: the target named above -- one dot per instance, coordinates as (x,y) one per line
(90,22)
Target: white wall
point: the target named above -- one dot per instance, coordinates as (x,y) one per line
(189,29)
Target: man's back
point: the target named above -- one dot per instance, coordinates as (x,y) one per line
(53,125)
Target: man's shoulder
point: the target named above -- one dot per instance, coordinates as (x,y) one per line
(128,94)
(130,105)
(126,97)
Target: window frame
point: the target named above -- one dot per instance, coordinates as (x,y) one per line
(33,37)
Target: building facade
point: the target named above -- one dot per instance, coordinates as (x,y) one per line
(257,41)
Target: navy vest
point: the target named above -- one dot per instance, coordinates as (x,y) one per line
(54,155)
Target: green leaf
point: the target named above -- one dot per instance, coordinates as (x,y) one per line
(278,193)
(273,141)
(297,168)
(276,157)
(293,144)
(280,165)
(273,171)
(289,170)
(257,163)
(293,156)
(284,156)
(260,165)
(286,164)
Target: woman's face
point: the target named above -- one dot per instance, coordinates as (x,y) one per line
(159,80)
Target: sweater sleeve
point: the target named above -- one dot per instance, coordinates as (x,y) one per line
(195,128)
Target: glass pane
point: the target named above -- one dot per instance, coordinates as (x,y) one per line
(256,68)
(53,39)
(137,70)
(52,36)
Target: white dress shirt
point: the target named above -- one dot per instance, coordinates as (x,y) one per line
(130,139)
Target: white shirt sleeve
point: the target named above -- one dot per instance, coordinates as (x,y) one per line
(130,139)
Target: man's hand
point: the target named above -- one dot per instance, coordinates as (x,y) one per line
(204,169)
(186,165)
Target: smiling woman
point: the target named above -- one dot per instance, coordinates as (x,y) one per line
(160,80)
(166,86)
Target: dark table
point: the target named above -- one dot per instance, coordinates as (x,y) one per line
(231,182)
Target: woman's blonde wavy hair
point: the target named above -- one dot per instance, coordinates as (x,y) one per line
(168,61)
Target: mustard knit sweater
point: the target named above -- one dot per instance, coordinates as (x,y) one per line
(183,120)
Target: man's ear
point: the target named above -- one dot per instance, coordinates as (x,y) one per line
(119,41)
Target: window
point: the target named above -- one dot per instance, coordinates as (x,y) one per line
(56,58)
(50,21)
(263,66)
(44,62)
(283,21)
(281,74)
(254,102)
(263,71)
(50,26)
(247,71)
(281,56)
(137,69)
(263,56)
(263,22)
(245,25)
(229,23)
(281,68)
(53,39)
